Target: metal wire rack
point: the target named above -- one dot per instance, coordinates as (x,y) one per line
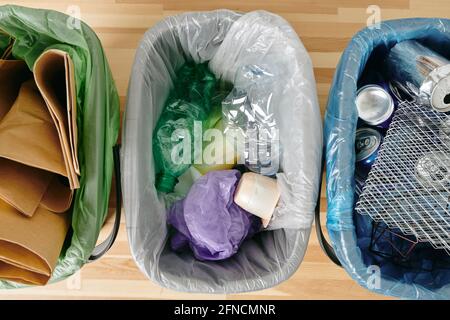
(408,187)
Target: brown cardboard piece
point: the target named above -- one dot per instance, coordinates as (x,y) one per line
(22,186)
(30,247)
(54,75)
(12,74)
(28,139)
(34,173)
(58,196)
(11,273)
(28,135)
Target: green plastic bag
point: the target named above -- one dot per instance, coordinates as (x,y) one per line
(196,95)
(35,31)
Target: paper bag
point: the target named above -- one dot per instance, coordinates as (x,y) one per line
(12,74)
(11,273)
(30,247)
(22,186)
(58,196)
(54,75)
(26,188)
(30,152)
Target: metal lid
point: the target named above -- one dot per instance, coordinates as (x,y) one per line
(375,105)
(436,87)
(367,142)
(440,98)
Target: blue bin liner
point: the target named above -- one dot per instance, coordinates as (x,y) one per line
(350,233)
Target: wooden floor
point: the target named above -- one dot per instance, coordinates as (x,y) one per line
(325,27)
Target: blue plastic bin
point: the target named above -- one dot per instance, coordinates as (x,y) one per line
(349,232)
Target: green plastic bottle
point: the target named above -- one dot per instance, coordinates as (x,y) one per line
(195,91)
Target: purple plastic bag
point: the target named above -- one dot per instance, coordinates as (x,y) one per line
(208,220)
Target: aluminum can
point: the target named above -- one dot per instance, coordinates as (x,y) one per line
(433,170)
(367,144)
(375,106)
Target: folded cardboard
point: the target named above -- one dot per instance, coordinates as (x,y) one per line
(28,135)
(30,247)
(25,188)
(38,164)
(58,196)
(22,186)
(54,75)
(30,151)
(9,272)
(12,74)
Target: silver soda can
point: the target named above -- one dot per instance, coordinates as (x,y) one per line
(433,170)
(367,145)
(425,72)
(375,106)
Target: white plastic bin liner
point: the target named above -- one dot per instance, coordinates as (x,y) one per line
(228,40)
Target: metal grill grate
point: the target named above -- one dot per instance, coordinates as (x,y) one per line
(408,187)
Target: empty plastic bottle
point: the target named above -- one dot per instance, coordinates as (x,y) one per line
(195,91)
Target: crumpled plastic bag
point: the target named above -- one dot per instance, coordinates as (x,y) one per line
(208,220)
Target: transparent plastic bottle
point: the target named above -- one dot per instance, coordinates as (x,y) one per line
(248,112)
